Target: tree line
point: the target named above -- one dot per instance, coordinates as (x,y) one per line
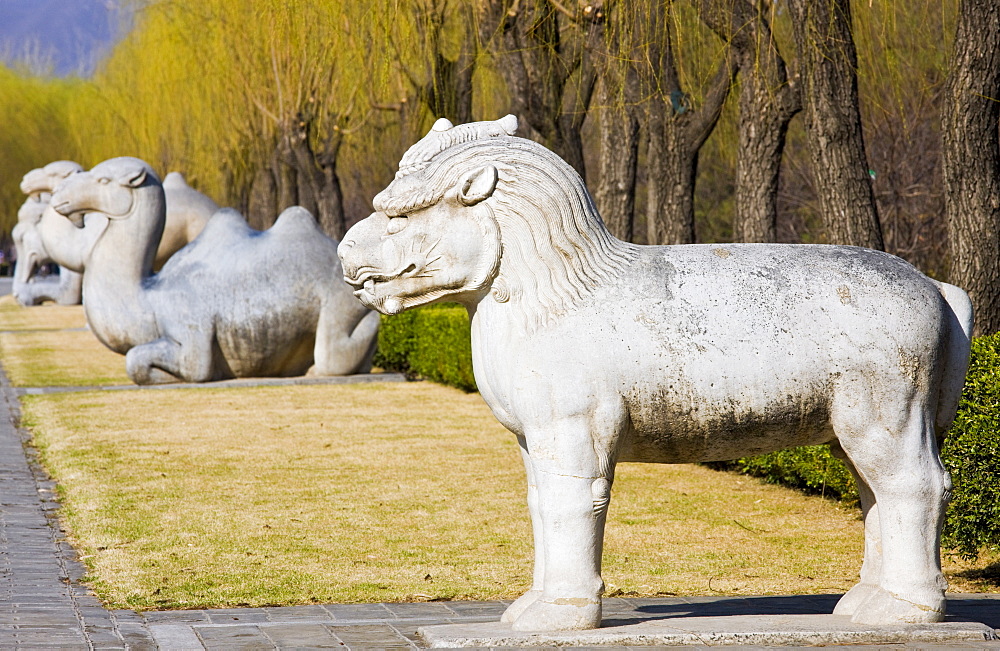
(872,124)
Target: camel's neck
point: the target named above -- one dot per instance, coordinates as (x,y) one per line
(122,258)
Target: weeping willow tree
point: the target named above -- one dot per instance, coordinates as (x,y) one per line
(663,104)
(35,132)
(255,101)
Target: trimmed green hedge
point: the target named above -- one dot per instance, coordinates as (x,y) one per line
(971,453)
(811,468)
(433,342)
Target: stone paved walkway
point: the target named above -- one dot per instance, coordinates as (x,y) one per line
(44,606)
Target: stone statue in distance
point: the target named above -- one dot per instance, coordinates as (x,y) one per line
(234,303)
(30,245)
(593,351)
(36,233)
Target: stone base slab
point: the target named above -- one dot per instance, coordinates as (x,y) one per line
(761,630)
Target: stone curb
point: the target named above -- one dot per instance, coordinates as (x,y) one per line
(365,378)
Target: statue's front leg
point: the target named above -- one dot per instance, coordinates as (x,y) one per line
(167,360)
(538,575)
(573,494)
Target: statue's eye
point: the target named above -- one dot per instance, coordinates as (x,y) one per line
(104,180)
(396,224)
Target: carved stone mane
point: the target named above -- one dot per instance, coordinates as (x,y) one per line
(555,247)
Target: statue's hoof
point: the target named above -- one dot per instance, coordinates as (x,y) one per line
(851,602)
(883,607)
(559,615)
(520,604)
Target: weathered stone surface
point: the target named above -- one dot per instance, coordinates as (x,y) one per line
(592,351)
(234,303)
(759,630)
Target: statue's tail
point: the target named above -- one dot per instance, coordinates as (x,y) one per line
(956,365)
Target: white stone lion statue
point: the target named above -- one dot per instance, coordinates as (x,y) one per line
(594,351)
(236,302)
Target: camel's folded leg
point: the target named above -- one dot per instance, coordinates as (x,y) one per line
(345,348)
(166,360)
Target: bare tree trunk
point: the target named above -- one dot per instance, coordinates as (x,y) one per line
(447,93)
(676,131)
(767,104)
(971,159)
(671,171)
(318,172)
(284,173)
(615,187)
(614,194)
(262,206)
(546,57)
(828,74)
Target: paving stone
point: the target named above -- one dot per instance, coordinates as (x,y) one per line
(300,635)
(357,612)
(228,637)
(422,609)
(236,616)
(299,614)
(381,635)
(177,617)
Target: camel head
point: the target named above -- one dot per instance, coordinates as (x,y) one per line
(31,254)
(112,188)
(43,180)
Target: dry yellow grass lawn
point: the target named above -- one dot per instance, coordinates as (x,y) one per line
(41,317)
(385,492)
(287,495)
(46,346)
(40,358)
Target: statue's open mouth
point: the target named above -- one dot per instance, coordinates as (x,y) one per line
(367,278)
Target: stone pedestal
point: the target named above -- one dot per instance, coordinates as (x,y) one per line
(760,630)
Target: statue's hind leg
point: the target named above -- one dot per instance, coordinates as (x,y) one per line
(893,449)
(345,340)
(538,575)
(871,568)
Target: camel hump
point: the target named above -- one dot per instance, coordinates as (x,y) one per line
(293,221)
(225,225)
(174,180)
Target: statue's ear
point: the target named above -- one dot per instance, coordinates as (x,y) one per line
(477,185)
(133,178)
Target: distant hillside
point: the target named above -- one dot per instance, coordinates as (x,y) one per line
(60,37)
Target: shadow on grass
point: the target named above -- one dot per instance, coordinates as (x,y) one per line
(987,578)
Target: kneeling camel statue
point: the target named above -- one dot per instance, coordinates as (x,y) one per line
(236,302)
(593,351)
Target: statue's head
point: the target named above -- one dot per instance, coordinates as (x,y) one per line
(476,211)
(110,188)
(41,181)
(31,254)
(427,243)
